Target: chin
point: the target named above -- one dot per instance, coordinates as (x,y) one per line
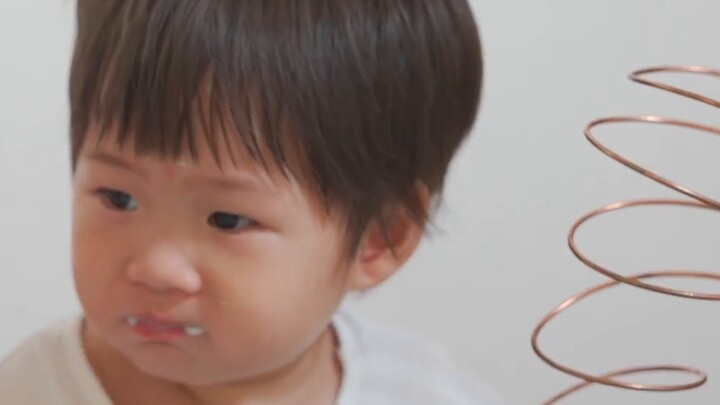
(176,374)
(180,369)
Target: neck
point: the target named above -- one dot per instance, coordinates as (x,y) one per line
(314,377)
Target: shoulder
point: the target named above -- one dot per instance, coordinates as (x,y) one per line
(385,365)
(48,367)
(34,348)
(30,365)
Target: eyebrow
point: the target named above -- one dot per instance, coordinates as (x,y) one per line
(115,161)
(238,182)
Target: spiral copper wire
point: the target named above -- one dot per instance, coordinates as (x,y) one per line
(697,200)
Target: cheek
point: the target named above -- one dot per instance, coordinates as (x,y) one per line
(93,259)
(274,304)
(87,242)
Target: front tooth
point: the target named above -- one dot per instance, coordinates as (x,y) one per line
(132,320)
(194,330)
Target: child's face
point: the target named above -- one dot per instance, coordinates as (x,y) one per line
(247,269)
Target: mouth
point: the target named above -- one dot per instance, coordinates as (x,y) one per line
(162,330)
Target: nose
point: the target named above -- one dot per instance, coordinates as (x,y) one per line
(165,268)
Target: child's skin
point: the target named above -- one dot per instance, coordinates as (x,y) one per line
(246,254)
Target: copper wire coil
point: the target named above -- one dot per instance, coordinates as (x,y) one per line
(698,201)
(638,76)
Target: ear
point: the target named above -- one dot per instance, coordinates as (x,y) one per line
(381,254)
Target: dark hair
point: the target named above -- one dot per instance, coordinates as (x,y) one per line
(375,96)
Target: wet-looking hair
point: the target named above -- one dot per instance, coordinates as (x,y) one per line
(363,100)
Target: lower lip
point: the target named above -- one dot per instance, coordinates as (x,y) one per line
(160,334)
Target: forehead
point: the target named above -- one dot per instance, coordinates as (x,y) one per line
(224,154)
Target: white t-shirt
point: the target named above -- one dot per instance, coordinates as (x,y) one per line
(381,366)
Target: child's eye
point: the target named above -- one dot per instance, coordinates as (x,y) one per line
(229,222)
(118,200)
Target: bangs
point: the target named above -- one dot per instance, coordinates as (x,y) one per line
(156,78)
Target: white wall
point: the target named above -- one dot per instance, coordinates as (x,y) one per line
(527,173)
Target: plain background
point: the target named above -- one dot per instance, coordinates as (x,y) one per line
(527,173)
